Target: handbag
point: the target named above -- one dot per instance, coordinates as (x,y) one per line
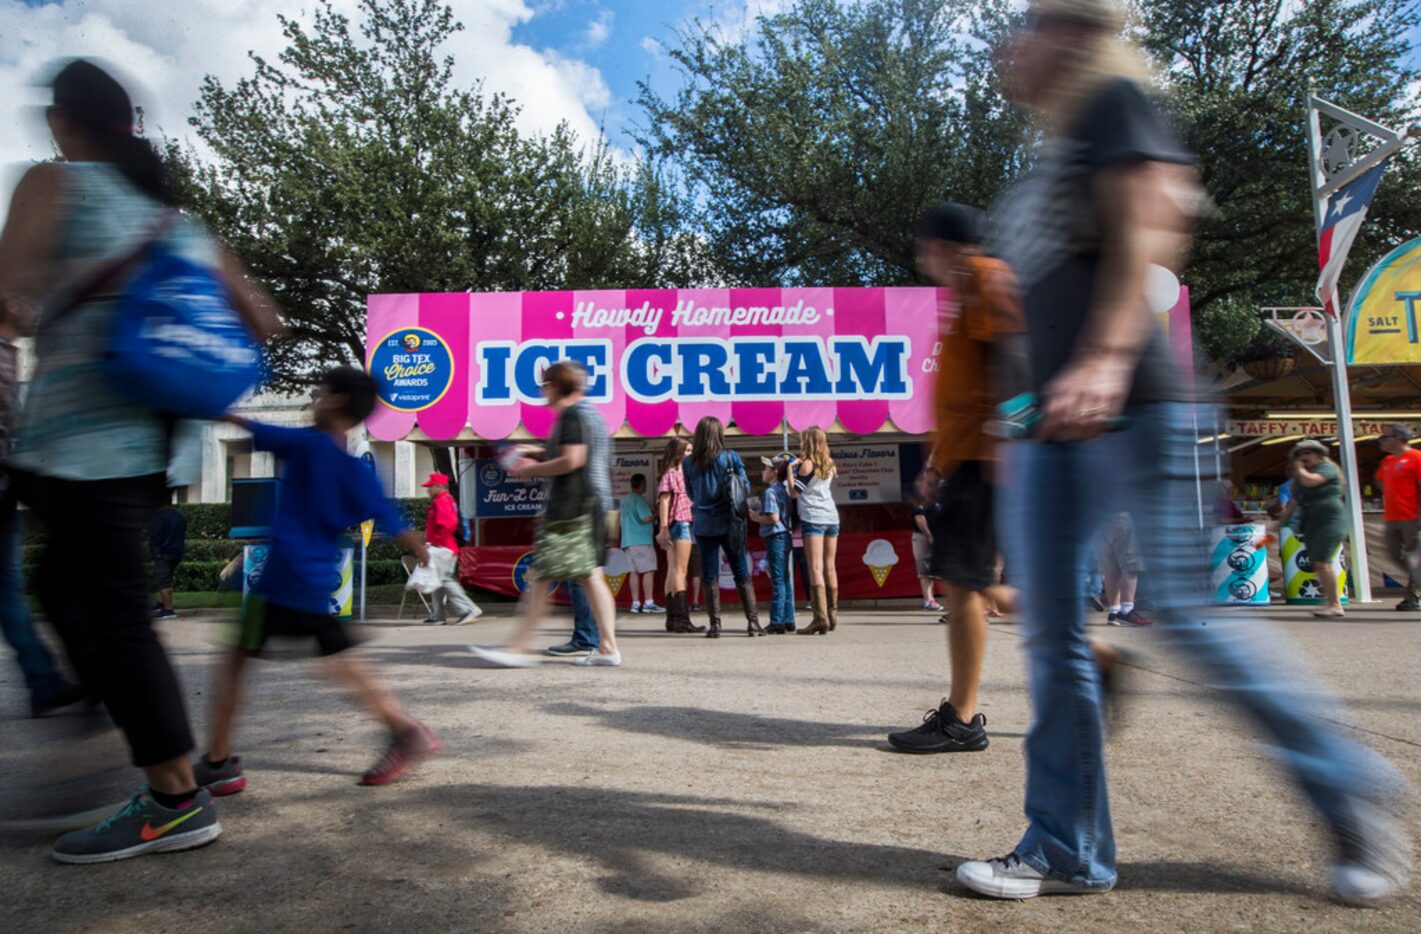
(735,493)
(565,549)
(177,344)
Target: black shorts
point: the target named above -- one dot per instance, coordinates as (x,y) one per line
(163,569)
(262,620)
(965,529)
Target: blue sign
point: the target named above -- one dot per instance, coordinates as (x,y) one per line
(413,369)
(500,496)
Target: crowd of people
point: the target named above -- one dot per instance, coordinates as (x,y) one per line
(1046,302)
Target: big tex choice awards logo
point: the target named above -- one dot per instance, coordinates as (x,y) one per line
(413,369)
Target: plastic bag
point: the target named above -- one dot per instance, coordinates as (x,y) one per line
(424,579)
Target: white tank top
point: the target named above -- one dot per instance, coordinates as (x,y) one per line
(816,501)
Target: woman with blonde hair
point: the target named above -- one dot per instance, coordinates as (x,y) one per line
(1109,193)
(814,474)
(1317,487)
(673,506)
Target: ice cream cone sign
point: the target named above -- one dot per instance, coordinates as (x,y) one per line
(880,558)
(617,569)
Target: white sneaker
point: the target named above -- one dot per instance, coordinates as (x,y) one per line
(650,607)
(469,617)
(502,658)
(636,608)
(1009,877)
(596,659)
(1373,861)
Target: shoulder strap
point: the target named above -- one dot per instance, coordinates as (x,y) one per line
(112,273)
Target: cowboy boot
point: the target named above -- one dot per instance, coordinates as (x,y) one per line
(713,610)
(671,612)
(818,601)
(747,603)
(832,607)
(681,617)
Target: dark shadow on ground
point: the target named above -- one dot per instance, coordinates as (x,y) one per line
(724,728)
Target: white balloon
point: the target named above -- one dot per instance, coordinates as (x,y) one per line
(1161,289)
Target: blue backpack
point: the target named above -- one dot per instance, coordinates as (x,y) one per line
(177,345)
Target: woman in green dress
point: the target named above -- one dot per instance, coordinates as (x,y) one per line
(1318,488)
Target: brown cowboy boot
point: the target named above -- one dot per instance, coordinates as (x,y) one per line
(682,618)
(832,607)
(713,610)
(818,601)
(747,603)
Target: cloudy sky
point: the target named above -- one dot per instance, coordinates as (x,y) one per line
(573,60)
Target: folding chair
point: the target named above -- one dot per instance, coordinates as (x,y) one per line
(410,562)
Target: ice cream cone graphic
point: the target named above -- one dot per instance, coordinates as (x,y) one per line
(616,570)
(881,559)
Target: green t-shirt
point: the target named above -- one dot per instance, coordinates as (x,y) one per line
(635,530)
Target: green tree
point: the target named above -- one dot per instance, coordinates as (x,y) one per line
(814,143)
(354,165)
(1238,73)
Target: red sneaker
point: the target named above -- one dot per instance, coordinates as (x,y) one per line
(407,750)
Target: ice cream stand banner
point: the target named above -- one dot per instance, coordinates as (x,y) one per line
(447,363)
(1384,320)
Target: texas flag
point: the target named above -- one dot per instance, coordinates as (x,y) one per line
(1346,210)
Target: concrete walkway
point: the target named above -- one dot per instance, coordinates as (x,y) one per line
(739,785)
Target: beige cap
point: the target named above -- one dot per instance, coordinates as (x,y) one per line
(1310,447)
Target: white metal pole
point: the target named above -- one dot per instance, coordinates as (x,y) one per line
(364,563)
(1361,570)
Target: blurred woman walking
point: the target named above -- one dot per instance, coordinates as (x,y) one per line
(1317,487)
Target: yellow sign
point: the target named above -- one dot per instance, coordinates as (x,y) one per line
(367,528)
(1385,315)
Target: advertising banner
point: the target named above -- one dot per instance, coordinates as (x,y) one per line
(1382,321)
(868,473)
(1239,565)
(1299,582)
(499,496)
(447,362)
(872,565)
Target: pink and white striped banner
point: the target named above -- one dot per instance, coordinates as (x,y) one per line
(657,359)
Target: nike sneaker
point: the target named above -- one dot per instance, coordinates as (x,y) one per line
(143,826)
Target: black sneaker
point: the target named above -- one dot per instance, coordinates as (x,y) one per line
(161,613)
(942,730)
(570,648)
(1093,602)
(66,695)
(1408,606)
(142,826)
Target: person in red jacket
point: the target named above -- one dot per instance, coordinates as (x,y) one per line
(1400,479)
(440,526)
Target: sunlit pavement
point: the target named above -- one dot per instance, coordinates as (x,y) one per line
(726,785)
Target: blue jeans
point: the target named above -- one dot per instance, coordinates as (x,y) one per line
(710,546)
(815,530)
(680,531)
(1058,497)
(42,677)
(778,553)
(584,626)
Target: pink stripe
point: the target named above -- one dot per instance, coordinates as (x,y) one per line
(447,315)
(652,419)
(860,311)
(385,313)
(756,418)
(1181,336)
(615,411)
(496,316)
(803,413)
(693,412)
(546,316)
(913,312)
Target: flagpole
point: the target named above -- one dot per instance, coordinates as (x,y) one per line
(1341,392)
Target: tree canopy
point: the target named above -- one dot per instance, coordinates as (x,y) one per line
(353,165)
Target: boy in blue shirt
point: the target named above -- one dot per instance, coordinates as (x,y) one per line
(774,519)
(323,492)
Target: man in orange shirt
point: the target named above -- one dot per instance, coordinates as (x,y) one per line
(981,354)
(1400,479)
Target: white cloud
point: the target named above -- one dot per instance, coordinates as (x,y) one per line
(651,46)
(599,30)
(165,49)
